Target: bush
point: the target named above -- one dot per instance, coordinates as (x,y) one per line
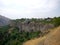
(56,21)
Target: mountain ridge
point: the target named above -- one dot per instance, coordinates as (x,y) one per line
(4,20)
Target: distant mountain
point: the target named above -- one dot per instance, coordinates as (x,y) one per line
(4,20)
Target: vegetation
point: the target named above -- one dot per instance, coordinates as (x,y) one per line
(56,21)
(14,37)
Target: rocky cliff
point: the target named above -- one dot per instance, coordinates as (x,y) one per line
(32,26)
(27,25)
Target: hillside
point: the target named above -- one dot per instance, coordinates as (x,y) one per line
(53,38)
(21,30)
(4,21)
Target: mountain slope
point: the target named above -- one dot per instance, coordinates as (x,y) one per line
(53,38)
(4,21)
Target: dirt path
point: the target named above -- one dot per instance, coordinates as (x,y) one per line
(53,38)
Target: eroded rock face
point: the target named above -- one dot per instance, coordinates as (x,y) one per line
(33,26)
(46,27)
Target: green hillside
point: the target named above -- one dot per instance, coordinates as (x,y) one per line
(13,34)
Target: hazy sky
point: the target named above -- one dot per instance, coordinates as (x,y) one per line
(29,8)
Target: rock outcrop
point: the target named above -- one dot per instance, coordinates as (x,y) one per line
(27,25)
(33,26)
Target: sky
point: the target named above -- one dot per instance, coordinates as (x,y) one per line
(29,8)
